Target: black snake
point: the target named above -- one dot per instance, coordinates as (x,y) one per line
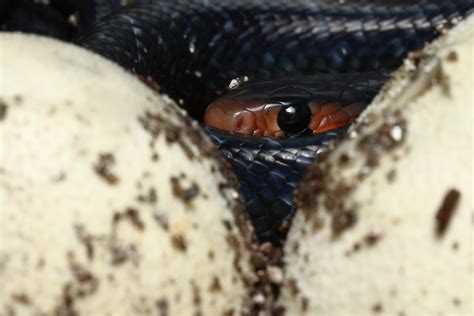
(193,48)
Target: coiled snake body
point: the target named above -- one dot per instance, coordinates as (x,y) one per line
(193,48)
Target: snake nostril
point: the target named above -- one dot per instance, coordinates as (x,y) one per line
(243,122)
(240,123)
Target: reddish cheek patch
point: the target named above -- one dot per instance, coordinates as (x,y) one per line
(333,116)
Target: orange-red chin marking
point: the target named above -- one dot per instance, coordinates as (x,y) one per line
(332,116)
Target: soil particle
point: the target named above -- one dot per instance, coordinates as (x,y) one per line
(229,312)
(162,306)
(443,81)
(104,166)
(293,287)
(3,110)
(344,158)
(372,238)
(215,285)
(452,56)
(446,211)
(186,194)
(162,218)
(377,308)
(455,246)
(342,221)
(179,242)
(196,294)
(391,175)
(84,284)
(21,298)
(121,254)
(304,304)
(18,99)
(132,215)
(456,301)
(86,239)
(151,197)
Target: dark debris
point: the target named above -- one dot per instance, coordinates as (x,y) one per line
(446,211)
(104,166)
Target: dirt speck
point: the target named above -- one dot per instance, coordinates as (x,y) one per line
(372,238)
(446,210)
(455,246)
(103,167)
(84,284)
(21,298)
(3,110)
(132,215)
(162,306)
(452,56)
(162,219)
(342,221)
(186,194)
(18,99)
(86,239)
(377,308)
(179,242)
(151,197)
(121,254)
(391,175)
(215,285)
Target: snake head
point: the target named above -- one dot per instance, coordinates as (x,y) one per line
(279,119)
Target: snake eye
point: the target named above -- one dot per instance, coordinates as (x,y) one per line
(294,119)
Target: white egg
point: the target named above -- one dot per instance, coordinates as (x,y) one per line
(391,231)
(111,202)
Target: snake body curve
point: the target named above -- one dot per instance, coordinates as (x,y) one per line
(193,48)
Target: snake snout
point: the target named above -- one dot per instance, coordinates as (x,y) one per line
(230,115)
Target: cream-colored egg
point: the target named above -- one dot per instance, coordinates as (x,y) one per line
(111,201)
(385,225)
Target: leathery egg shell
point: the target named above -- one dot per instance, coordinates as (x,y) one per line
(112,201)
(385,225)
